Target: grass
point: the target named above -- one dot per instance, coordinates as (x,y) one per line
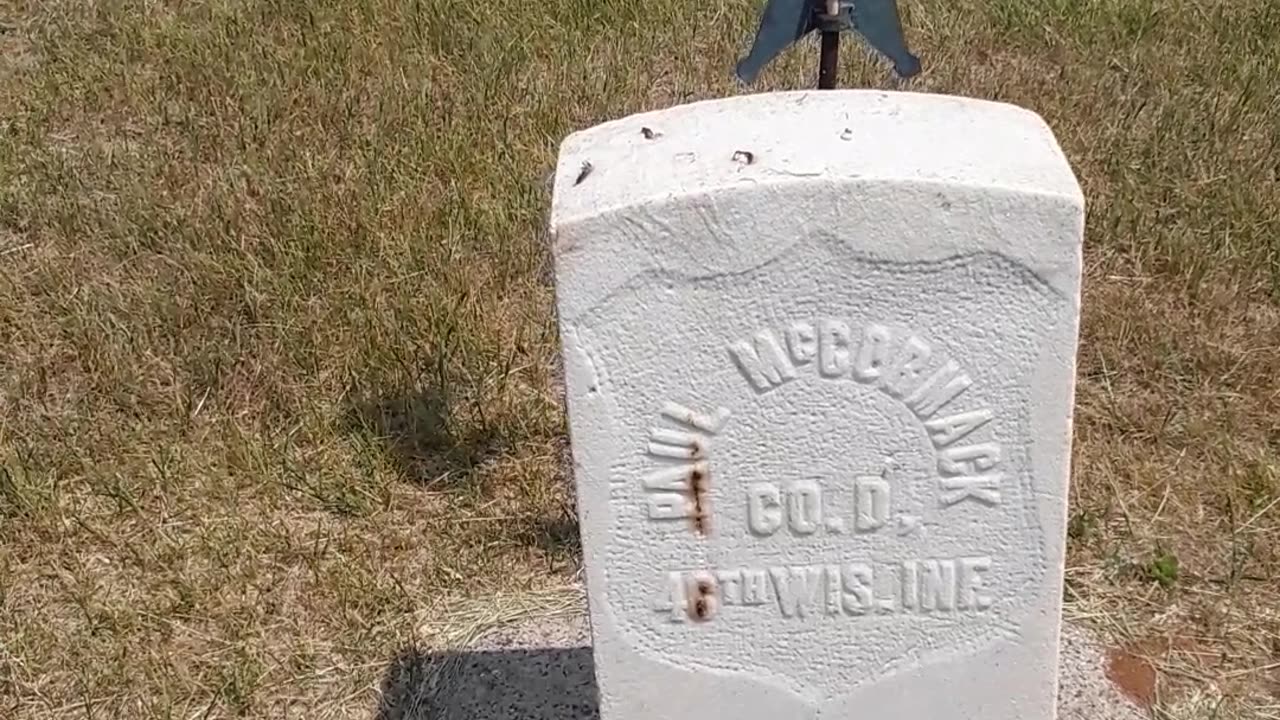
(279,356)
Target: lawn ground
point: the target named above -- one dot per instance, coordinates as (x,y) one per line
(278,353)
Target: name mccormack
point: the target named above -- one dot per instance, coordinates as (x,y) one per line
(898,367)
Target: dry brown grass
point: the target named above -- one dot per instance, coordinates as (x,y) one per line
(279,355)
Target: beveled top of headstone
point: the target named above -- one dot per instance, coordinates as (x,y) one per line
(828,133)
(808,138)
(820,354)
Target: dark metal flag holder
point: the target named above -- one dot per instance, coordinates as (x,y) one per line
(784,22)
(829,58)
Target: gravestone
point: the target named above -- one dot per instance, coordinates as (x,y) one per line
(820,353)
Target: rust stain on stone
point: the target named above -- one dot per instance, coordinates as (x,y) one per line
(703,605)
(698,480)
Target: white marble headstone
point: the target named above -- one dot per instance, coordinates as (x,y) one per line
(820,354)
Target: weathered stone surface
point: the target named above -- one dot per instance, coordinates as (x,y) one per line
(819,353)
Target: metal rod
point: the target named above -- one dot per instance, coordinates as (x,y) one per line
(829,60)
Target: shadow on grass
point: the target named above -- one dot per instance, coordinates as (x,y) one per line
(416,428)
(525,684)
(556,537)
